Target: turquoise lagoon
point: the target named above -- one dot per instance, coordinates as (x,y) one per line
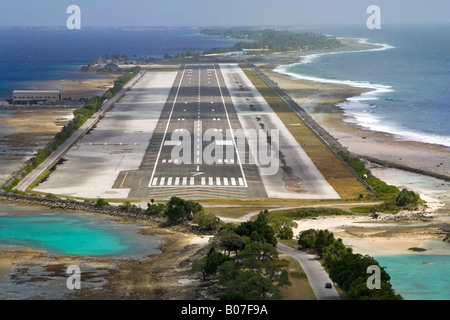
(71,233)
(419,276)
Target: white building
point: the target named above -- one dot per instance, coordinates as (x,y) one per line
(35,96)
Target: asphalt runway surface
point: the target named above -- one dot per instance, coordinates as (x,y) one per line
(184,133)
(193,152)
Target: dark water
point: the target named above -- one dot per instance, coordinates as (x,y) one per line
(410,78)
(29,55)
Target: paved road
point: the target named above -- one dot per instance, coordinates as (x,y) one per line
(316,274)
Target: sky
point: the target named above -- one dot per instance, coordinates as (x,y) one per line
(297,13)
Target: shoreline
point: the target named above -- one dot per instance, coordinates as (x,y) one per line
(37,273)
(321,101)
(77,89)
(408,164)
(324,112)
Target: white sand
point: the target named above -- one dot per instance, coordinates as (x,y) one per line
(434,191)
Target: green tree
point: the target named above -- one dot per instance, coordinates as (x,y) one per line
(282,226)
(156,208)
(307,239)
(324,238)
(229,241)
(278,275)
(258,230)
(213,260)
(192,207)
(407,198)
(175,209)
(207,220)
(286,233)
(101,202)
(255,253)
(198,266)
(178,208)
(250,285)
(360,291)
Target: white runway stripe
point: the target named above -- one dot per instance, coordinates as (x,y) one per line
(204,181)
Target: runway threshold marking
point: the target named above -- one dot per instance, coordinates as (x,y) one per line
(240,181)
(168,123)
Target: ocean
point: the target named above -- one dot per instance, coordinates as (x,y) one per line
(30,55)
(418,276)
(409,78)
(409,82)
(63,232)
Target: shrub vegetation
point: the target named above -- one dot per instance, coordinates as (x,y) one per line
(245,261)
(347,269)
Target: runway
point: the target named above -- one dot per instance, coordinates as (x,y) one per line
(185,133)
(194,152)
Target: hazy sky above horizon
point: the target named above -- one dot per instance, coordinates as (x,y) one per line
(298,13)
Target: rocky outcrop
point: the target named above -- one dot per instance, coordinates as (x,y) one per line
(70,204)
(183,225)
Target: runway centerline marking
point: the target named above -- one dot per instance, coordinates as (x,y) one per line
(240,179)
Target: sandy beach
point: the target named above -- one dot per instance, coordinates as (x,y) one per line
(381,238)
(320,100)
(417,166)
(166,276)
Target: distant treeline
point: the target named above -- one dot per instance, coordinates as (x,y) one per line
(272,40)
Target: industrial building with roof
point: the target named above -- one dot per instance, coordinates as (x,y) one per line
(36,96)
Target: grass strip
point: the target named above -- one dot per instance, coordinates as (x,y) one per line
(340,178)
